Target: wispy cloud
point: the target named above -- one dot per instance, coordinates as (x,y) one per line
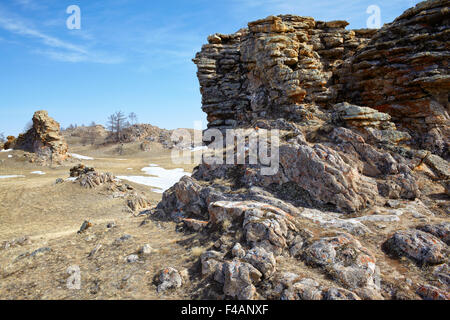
(55,48)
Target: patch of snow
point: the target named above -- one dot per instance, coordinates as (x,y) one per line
(38,172)
(7,150)
(10,156)
(12,176)
(162,179)
(71,179)
(122,159)
(79,156)
(199,148)
(129,168)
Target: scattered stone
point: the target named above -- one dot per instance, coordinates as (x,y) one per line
(132,258)
(95,251)
(22,241)
(146,250)
(122,239)
(169,278)
(40,251)
(86,225)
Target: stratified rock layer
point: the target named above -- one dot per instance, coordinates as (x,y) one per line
(404,71)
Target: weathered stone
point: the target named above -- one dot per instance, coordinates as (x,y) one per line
(418,245)
(428,292)
(441,231)
(305,289)
(169,278)
(43,139)
(262,260)
(344,258)
(239,280)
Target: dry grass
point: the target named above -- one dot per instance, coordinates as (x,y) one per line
(51,214)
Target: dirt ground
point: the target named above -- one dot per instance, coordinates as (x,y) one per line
(50,215)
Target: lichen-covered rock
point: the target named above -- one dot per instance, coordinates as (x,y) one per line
(441,231)
(418,245)
(344,258)
(240,279)
(428,292)
(169,278)
(339,294)
(305,289)
(262,260)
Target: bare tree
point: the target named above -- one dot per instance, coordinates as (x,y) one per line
(2,137)
(133,118)
(116,124)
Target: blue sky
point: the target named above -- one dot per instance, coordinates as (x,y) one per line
(129,55)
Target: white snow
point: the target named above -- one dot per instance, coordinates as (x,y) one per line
(199,148)
(79,156)
(12,176)
(10,156)
(129,168)
(71,179)
(8,150)
(38,172)
(161,178)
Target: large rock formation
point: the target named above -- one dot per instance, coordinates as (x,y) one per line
(44,139)
(354,171)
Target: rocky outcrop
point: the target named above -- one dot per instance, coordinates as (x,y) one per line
(350,171)
(44,140)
